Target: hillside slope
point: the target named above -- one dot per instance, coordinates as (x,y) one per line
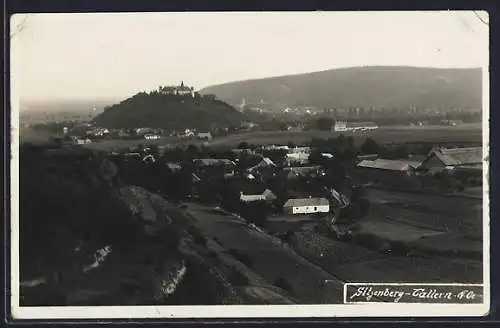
(376,86)
(169,112)
(130,247)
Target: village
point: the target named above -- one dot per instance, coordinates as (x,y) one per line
(284,188)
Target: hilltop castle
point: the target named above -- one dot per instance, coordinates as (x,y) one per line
(178,90)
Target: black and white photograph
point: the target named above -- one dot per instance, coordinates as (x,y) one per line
(249,164)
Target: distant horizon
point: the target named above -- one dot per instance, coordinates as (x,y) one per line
(24,102)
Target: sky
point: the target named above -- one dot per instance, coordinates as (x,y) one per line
(115,55)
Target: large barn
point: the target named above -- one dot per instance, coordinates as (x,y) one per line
(441,158)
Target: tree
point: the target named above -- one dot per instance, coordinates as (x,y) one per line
(243,145)
(324,123)
(192,151)
(402,151)
(317,142)
(370,146)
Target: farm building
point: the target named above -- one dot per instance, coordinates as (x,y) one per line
(387,172)
(306,206)
(442,158)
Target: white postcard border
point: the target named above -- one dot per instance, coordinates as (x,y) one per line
(237,311)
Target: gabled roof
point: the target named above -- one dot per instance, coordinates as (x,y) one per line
(459,156)
(299,202)
(388,164)
(269,195)
(266,162)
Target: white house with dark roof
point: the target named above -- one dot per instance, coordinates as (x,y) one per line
(306,206)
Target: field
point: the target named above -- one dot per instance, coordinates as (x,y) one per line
(465,134)
(470,133)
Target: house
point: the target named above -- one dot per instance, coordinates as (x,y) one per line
(300,150)
(448,158)
(204,136)
(151,136)
(297,158)
(306,206)
(251,198)
(266,196)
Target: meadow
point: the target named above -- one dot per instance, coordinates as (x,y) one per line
(467,134)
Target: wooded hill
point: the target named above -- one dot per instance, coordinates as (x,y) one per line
(169,112)
(378,86)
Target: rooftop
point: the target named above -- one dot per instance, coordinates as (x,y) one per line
(298,202)
(388,164)
(459,156)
